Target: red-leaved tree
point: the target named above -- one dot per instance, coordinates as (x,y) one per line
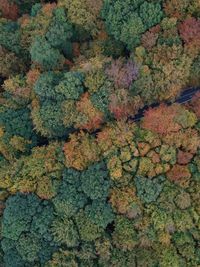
(8,10)
(161,119)
(190,33)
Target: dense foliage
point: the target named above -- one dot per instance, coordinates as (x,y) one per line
(81,184)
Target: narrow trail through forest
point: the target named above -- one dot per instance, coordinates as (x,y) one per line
(183,98)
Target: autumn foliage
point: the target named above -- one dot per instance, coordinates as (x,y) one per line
(9,10)
(161,119)
(99,162)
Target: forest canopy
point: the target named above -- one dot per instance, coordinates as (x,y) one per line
(83,182)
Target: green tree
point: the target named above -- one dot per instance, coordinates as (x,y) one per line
(127,20)
(70,199)
(26,230)
(65,232)
(100,213)
(60,30)
(71,86)
(148,190)
(10,36)
(151,14)
(124,236)
(45,55)
(88,231)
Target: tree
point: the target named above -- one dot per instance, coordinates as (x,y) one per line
(57,93)
(81,151)
(153,119)
(195,103)
(60,30)
(180,175)
(124,236)
(94,181)
(47,118)
(125,202)
(65,232)
(17,215)
(96,80)
(8,10)
(168,154)
(83,14)
(169,257)
(132,30)
(87,229)
(38,172)
(151,14)
(117,15)
(149,38)
(187,139)
(10,64)
(166,70)
(100,213)
(16,92)
(89,117)
(123,104)
(18,134)
(194,72)
(63,257)
(189,31)
(148,190)
(99,88)
(122,73)
(127,20)
(59,86)
(32,27)
(183,201)
(176,116)
(24,5)
(180,8)
(112,47)
(45,85)
(25,230)
(70,86)
(10,36)
(45,55)
(21,235)
(169,35)
(101,101)
(70,199)
(184,157)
